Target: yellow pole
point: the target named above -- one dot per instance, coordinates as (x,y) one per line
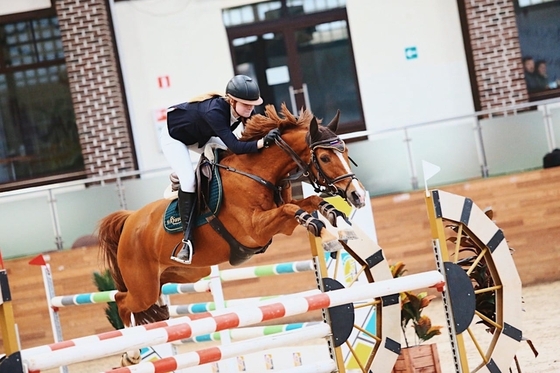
(441,253)
(7,321)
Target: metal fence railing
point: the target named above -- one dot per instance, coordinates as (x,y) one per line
(484,144)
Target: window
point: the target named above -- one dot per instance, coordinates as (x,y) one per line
(291,48)
(270,10)
(38,134)
(539,39)
(523,3)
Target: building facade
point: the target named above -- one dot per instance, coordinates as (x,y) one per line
(386,64)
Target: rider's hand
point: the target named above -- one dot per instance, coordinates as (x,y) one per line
(270,137)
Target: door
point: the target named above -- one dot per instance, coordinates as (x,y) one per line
(303,61)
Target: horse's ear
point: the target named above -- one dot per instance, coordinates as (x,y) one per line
(313,128)
(333,125)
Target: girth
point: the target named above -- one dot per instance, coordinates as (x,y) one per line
(238,253)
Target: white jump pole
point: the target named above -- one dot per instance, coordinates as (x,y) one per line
(200,286)
(218,294)
(226,319)
(213,354)
(42,261)
(241,334)
(193,308)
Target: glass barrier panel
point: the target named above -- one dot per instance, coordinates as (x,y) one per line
(140,192)
(382,163)
(514,143)
(452,146)
(555,116)
(79,211)
(26,226)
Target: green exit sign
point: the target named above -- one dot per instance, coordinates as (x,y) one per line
(411,53)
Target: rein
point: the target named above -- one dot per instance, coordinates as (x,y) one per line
(322,185)
(276,190)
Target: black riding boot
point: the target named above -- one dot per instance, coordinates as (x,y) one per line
(186,208)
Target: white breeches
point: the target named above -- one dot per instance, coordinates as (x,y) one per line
(179,157)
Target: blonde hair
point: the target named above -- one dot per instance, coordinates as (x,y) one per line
(208,95)
(205,96)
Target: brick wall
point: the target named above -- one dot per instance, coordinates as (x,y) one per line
(95,86)
(496,54)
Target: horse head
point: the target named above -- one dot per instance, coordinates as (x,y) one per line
(317,151)
(331,163)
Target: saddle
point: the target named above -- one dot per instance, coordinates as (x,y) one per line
(208,187)
(209,199)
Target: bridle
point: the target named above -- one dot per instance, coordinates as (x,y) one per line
(321,183)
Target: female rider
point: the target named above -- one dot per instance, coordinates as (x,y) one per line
(210,118)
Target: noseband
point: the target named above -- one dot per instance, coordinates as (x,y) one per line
(335,144)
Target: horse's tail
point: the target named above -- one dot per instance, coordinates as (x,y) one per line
(109,233)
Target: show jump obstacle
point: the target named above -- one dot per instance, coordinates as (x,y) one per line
(360,302)
(7,323)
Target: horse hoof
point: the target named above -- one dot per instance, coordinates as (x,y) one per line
(332,246)
(131,358)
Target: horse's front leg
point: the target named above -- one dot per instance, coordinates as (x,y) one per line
(335,217)
(285,219)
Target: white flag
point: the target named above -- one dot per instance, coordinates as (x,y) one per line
(429,170)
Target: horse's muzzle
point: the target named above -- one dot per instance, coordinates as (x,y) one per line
(358,200)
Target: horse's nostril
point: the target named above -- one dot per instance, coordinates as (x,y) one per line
(357,200)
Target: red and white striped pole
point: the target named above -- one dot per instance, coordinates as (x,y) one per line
(227,319)
(212,354)
(92,339)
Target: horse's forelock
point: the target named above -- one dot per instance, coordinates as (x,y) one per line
(305,117)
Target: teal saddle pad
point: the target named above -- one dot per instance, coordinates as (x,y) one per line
(171,217)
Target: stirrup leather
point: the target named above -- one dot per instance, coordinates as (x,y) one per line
(184,256)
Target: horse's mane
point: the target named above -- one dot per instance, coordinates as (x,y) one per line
(259,125)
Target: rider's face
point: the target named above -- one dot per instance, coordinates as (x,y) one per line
(242,109)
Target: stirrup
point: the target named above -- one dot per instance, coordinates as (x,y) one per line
(184,256)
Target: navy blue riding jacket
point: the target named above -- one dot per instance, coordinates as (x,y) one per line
(192,122)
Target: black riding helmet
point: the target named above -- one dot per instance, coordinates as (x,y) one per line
(244,89)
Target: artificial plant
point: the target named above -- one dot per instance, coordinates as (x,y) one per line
(104,282)
(412,307)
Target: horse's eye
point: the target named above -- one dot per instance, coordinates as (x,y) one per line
(325,158)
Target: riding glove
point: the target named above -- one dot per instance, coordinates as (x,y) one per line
(270,137)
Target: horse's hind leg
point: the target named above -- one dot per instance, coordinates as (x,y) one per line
(124,313)
(131,357)
(142,294)
(132,315)
(134,356)
(183,274)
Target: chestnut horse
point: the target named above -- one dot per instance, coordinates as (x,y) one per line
(137,248)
